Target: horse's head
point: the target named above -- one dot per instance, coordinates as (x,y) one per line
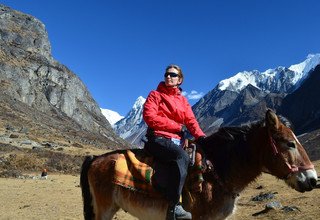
(285,156)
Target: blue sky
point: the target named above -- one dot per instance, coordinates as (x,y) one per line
(120,49)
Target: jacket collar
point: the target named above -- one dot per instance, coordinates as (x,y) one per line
(168,90)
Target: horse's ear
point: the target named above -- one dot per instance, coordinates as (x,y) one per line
(272,120)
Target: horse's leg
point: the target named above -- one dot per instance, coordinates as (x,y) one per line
(101,185)
(104,209)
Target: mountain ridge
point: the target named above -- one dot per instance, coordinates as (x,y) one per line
(29,74)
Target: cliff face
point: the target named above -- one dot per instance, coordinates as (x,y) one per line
(29,74)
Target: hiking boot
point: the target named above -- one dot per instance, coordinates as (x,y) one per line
(180,213)
(176,212)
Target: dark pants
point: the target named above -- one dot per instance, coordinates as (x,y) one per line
(177,160)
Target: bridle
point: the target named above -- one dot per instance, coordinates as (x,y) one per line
(292,168)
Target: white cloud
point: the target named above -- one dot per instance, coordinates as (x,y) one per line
(193,95)
(184,93)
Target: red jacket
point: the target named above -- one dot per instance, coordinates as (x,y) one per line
(166,110)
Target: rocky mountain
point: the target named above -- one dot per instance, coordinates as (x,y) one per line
(32,78)
(248,106)
(302,106)
(245,96)
(132,127)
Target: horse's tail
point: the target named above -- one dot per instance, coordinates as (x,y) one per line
(85,188)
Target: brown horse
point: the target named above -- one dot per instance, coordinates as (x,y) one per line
(239,155)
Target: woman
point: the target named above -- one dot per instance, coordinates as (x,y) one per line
(168,115)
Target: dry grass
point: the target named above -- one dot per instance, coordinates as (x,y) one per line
(58,197)
(16,160)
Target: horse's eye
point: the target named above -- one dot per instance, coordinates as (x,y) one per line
(291,145)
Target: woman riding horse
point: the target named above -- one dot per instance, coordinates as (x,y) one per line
(168,115)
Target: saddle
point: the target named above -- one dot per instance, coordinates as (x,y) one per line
(138,171)
(133,170)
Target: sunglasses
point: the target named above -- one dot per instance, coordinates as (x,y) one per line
(171,74)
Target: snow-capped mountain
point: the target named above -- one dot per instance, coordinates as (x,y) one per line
(278,80)
(307,65)
(234,100)
(132,127)
(111,116)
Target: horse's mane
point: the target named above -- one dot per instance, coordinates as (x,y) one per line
(231,133)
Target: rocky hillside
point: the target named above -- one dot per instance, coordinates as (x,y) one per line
(41,95)
(302,106)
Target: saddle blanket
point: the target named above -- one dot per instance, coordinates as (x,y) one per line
(134,172)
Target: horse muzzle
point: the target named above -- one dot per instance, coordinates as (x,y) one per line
(302,180)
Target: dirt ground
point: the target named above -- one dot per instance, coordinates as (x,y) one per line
(59,197)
